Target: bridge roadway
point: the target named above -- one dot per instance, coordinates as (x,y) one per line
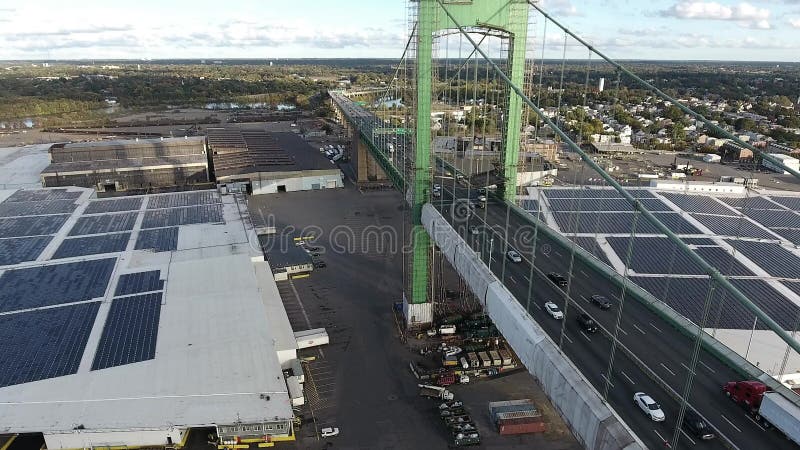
(662,349)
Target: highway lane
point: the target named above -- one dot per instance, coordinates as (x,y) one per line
(663,349)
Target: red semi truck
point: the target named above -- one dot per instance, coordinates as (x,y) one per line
(770,409)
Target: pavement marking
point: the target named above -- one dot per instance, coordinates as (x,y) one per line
(568,338)
(584,274)
(687,437)
(536,305)
(623,331)
(667,369)
(640,330)
(607,380)
(660,436)
(709,368)
(557,253)
(583,297)
(731,423)
(757,424)
(687,368)
(512,279)
(587,337)
(626,377)
(657,329)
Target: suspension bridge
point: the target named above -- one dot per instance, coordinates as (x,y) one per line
(482,90)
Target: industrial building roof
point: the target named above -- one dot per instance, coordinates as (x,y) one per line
(135,313)
(282,251)
(126,164)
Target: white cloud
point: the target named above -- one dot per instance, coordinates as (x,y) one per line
(794,23)
(748,15)
(560,7)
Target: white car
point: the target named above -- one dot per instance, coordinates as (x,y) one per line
(553,310)
(514,256)
(649,406)
(329,432)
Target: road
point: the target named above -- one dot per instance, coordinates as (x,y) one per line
(664,354)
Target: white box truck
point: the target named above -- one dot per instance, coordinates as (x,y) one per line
(777,411)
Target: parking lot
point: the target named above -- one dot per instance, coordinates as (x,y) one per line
(360,382)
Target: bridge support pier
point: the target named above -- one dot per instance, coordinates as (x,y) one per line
(368,171)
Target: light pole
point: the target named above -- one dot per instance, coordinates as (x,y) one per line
(491,245)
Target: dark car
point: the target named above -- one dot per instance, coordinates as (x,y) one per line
(600,301)
(695,424)
(557,278)
(587,323)
(319,264)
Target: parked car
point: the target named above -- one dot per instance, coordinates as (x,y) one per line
(557,278)
(696,425)
(600,301)
(329,432)
(649,406)
(319,264)
(587,323)
(553,310)
(513,256)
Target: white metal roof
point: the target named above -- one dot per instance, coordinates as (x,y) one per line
(215,359)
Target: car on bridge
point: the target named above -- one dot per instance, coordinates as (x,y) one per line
(696,425)
(587,323)
(600,301)
(557,278)
(649,406)
(513,256)
(553,310)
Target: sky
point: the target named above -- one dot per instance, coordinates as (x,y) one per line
(756,30)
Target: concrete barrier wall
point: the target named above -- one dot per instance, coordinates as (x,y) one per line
(593,422)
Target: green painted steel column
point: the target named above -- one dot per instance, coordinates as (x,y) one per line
(518,27)
(422,160)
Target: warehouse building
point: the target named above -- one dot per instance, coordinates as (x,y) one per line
(268,163)
(125,165)
(130,321)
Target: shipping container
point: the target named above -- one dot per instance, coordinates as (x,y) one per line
(496,361)
(474,362)
(311,338)
(505,355)
(485,360)
(521,428)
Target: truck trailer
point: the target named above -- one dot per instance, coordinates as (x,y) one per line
(770,409)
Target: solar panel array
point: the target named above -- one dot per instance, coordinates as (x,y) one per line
(529,205)
(619,223)
(792,203)
(603,204)
(17,250)
(38,195)
(138,282)
(158,239)
(31,225)
(790,234)
(755,202)
(774,218)
(183,216)
(107,223)
(687,296)
(92,245)
(194,198)
(116,205)
(698,203)
(130,331)
(732,226)
(17,209)
(774,258)
(34,287)
(591,245)
(595,193)
(46,343)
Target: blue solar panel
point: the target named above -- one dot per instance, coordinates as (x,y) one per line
(36,195)
(158,239)
(792,203)
(619,223)
(47,343)
(130,332)
(775,259)
(698,203)
(687,296)
(108,223)
(603,204)
(790,234)
(33,287)
(13,251)
(116,205)
(136,283)
(768,218)
(591,245)
(183,216)
(31,226)
(594,193)
(529,205)
(92,245)
(732,226)
(194,198)
(754,202)
(16,209)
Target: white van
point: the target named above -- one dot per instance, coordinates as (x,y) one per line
(447,329)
